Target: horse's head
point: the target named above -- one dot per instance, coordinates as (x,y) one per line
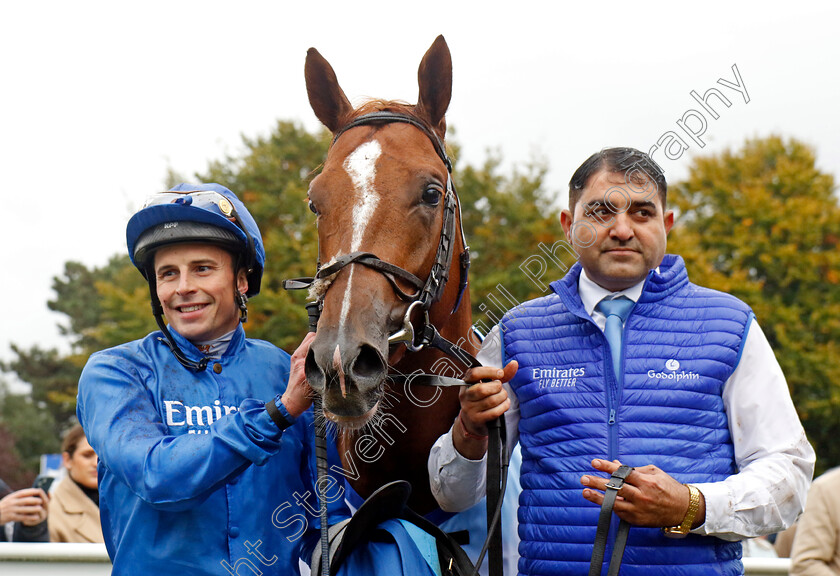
(380,204)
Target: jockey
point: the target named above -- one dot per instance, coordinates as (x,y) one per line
(203,435)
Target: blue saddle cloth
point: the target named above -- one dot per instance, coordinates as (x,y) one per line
(413,555)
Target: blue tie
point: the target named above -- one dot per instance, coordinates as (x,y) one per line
(616,311)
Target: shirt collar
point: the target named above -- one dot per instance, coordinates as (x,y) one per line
(215,348)
(231,346)
(591,293)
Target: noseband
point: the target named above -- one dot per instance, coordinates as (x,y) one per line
(425,293)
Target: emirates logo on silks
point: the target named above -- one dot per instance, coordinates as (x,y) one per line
(672,365)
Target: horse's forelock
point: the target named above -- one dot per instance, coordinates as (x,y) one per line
(380,105)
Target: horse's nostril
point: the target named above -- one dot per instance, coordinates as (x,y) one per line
(314,374)
(368,363)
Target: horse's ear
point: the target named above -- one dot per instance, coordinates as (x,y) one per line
(326,97)
(435,79)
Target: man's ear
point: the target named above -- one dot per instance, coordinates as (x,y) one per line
(242,281)
(669,221)
(566,220)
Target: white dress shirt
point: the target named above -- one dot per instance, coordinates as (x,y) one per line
(774,459)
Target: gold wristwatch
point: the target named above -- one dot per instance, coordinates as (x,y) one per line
(693,506)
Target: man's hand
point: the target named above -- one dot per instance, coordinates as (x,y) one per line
(481,402)
(298,395)
(27,506)
(649,497)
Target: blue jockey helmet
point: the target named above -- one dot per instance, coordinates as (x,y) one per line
(197,213)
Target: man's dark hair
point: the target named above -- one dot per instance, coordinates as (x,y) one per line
(625,161)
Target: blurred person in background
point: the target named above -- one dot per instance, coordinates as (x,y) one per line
(25,513)
(816,547)
(783,542)
(74,503)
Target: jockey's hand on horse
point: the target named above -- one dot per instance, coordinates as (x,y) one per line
(298,395)
(649,497)
(481,402)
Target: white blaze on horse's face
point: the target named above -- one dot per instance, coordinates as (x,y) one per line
(361,167)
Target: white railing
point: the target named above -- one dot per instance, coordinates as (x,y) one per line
(766,566)
(37,559)
(92,560)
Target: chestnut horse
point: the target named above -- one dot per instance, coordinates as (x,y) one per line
(389,237)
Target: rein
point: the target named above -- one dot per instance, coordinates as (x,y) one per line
(425,294)
(604,519)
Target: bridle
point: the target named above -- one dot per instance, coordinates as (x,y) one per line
(425,293)
(424,296)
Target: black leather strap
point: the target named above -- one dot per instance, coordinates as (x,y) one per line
(276,416)
(618,548)
(298,283)
(604,519)
(495,493)
(386,117)
(372,261)
(431,337)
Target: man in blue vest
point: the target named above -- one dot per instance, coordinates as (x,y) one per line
(627,362)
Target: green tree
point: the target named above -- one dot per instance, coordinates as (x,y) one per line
(27,430)
(506,217)
(54,380)
(272,178)
(763,223)
(105,306)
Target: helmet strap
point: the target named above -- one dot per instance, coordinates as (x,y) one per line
(242,302)
(240,263)
(157,311)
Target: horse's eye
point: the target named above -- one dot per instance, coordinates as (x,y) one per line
(312,208)
(431,195)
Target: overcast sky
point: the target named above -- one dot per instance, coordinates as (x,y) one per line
(99,98)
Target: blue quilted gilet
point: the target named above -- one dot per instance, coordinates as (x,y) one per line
(681,344)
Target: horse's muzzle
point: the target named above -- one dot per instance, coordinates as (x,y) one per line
(350,379)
